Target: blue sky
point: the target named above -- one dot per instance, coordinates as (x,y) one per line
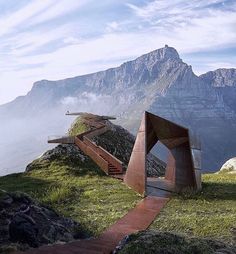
(55,39)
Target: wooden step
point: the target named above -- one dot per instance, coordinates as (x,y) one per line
(114,170)
(115,173)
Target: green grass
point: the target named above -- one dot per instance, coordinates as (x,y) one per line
(211,213)
(77,190)
(80,190)
(78,127)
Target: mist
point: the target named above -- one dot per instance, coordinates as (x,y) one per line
(25,138)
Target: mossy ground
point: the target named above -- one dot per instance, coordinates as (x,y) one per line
(77,190)
(78,127)
(156,242)
(210,213)
(83,193)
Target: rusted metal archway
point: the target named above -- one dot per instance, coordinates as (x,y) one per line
(183,166)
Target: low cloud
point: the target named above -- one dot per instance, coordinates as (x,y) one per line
(68,101)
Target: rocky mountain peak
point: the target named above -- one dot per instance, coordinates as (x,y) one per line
(162,54)
(221,77)
(169,52)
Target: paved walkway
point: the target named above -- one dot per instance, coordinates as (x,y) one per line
(139,218)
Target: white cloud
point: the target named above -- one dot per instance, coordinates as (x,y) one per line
(112,26)
(188,26)
(7,23)
(156,9)
(69,100)
(59,8)
(71,40)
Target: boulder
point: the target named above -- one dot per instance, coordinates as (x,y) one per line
(229,166)
(26,223)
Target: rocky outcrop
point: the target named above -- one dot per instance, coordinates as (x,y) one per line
(62,152)
(229,166)
(224,83)
(154,242)
(25,223)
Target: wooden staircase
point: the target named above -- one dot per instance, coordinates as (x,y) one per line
(106,161)
(112,169)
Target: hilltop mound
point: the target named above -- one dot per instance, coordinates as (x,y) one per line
(155,242)
(117,141)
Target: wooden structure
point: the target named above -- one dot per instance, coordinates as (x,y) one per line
(106,161)
(183,166)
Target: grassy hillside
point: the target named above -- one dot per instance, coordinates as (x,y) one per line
(76,189)
(211,213)
(78,127)
(83,193)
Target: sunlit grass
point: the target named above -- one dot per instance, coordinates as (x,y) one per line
(79,190)
(210,213)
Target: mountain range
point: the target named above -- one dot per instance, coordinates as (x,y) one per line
(159,82)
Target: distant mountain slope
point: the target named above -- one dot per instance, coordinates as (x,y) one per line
(224,82)
(159,82)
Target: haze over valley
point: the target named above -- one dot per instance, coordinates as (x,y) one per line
(159,82)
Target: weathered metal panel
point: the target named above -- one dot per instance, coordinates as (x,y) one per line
(97,132)
(61,139)
(196,155)
(184,170)
(195,141)
(135,176)
(170,168)
(181,162)
(198,177)
(173,142)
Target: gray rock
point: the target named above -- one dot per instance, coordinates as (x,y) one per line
(229,166)
(28,223)
(22,228)
(119,142)
(63,151)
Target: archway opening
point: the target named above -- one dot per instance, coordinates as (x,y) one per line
(163,178)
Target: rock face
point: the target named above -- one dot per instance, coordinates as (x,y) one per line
(63,151)
(154,242)
(29,224)
(119,142)
(224,83)
(229,166)
(159,82)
